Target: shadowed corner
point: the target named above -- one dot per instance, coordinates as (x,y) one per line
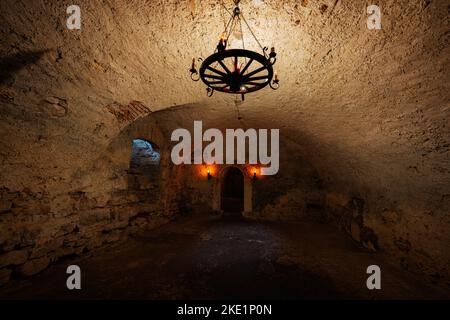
(16,62)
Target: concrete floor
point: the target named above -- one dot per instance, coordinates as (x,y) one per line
(201,257)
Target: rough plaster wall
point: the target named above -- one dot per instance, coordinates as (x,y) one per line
(295,192)
(370,109)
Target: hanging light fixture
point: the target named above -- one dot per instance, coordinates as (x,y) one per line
(236,71)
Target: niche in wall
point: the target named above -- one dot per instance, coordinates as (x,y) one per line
(145,174)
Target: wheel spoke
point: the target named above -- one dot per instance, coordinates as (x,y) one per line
(218,86)
(213,76)
(236,63)
(224,67)
(217,82)
(253,83)
(216,71)
(246,66)
(248,75)
(223,72)
(258,78)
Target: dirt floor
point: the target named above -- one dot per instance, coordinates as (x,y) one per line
(204,257)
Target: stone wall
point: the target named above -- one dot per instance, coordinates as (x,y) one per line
(416,241)
(294,193)
(98,207)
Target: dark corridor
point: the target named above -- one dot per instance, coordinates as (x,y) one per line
(232,199)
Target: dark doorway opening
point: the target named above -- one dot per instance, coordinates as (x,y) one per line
(232,197)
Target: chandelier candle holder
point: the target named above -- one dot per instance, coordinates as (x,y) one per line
(236,71)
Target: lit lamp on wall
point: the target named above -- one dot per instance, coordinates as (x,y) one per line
(207,171)
(254,174)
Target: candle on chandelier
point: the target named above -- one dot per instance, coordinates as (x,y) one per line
(222,43)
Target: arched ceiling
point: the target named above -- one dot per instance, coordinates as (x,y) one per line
(367,106)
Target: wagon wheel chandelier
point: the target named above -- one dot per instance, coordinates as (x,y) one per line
(236,71)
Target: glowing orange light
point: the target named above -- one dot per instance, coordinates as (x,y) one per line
(208,171)
(253,172)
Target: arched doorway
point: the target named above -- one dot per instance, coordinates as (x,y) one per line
(232,193)
(144,172)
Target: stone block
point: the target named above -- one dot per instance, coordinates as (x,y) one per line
(13,258)
(94,216)
(33,267)
(336,199)
(45,248)
(390,216)
(5,275)
(355,231)
(95,242)
(5,205)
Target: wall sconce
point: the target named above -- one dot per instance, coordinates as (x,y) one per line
(254,175)
(209,175)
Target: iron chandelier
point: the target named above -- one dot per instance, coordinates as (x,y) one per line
(236,71)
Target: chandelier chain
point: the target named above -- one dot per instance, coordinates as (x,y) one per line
(254,36)
(232,20)
(242,37)
(226,9)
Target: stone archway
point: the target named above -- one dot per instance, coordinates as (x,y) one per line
(247,189)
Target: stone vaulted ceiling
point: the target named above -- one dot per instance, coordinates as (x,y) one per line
(369,108)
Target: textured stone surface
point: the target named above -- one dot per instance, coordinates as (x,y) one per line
(5,274)
(368,109)
(13,258)
(228,259)
(33,267)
